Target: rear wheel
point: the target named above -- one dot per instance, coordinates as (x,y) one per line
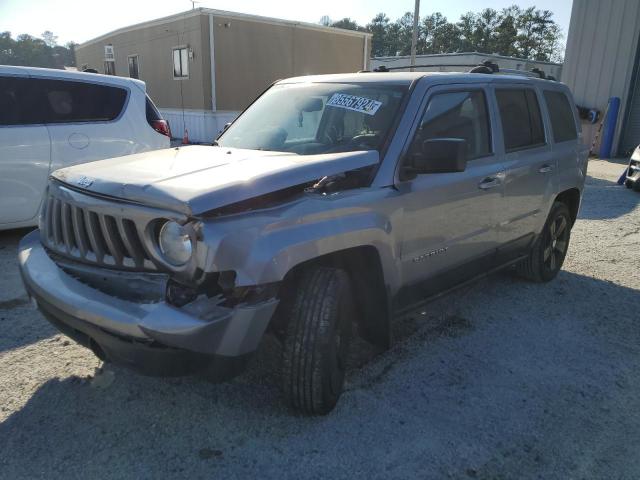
(317,339)
(548,253)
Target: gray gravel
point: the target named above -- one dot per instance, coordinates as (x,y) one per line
(504,379)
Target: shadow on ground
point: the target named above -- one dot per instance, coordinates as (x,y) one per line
(605,199)
(505,379)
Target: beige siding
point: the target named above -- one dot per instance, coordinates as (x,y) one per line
(250,55)
(601,47)
(153,44)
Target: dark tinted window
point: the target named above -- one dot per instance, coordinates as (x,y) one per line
(152,112)
(563,122)
(457,115)
(64,101)
(17,102)
(521,120)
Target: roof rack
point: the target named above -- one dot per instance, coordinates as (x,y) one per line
(486,67)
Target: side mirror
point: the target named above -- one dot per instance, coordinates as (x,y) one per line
(440,155)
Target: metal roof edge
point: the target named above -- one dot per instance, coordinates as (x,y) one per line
(222,13)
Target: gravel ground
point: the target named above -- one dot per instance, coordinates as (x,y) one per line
(504,379)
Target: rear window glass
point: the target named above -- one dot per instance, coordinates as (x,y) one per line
(521,120)
(64,101)
(563,123)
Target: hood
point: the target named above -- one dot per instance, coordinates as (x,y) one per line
(195,179)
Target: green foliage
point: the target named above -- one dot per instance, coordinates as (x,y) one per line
(513,31)
(36,52)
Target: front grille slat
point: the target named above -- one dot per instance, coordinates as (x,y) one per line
(92,235)
(67,229)
(131,241)
(109,232)
(77,222)
(93,229)
(56,227)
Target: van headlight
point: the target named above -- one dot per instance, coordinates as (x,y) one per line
(175,243)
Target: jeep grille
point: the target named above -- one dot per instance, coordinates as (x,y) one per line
(93,236)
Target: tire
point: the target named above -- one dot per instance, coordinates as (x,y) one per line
(317,340)
(548,253)
(628,183)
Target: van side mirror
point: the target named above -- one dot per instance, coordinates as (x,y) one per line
(439,155)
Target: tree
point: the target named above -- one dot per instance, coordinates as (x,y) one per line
(529,33)
(347,24)
(49,38)
(438,35)
(403,33)
(379,27)
(35,52)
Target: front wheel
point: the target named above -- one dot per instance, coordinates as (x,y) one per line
(548,253)
(317,340)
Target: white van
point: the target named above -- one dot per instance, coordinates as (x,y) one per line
(53,118)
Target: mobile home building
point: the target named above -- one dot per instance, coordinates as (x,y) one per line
(204,66)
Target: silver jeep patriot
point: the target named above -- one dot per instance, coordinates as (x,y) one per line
(333,202)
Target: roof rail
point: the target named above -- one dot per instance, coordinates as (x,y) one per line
(487,67)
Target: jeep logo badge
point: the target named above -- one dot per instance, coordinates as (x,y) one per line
(84,182)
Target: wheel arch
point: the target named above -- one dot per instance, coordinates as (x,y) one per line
(364,266)
(571,198)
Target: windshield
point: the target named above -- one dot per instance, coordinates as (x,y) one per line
(315,118)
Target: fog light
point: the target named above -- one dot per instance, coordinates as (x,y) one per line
(175,243)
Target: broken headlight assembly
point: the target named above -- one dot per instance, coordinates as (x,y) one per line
(176,243)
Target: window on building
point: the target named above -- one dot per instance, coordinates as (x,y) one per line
(134,70)
(563,122)
(521,120)
(457,115)
(180,62)
(109,67)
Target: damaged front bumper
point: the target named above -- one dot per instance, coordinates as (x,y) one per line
(154,338)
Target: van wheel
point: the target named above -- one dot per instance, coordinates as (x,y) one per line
(548,253)
(628,183)
(317,340)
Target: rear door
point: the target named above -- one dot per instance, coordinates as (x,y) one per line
(530,166)
(84,120)
(24,152)
(449,222)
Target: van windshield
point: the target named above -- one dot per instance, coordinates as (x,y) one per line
(316,118)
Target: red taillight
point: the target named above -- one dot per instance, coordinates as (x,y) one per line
(161,126)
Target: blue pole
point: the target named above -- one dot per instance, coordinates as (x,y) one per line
(609,127)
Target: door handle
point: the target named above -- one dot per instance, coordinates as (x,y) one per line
(546,168)
(489,182)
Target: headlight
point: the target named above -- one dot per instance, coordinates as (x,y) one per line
(175,243)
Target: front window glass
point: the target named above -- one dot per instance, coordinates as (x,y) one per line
(309,119)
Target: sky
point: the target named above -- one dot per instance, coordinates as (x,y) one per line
(81,20)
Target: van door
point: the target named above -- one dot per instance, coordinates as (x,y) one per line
(83,119)
(530,166)
(449,222)
(24,152)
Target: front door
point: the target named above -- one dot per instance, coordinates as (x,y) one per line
(449,223)
(24,153)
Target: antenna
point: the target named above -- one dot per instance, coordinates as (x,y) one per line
(193,4)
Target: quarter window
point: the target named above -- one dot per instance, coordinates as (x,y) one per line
(134,71)
(521,120)
(180,62)
(456,115)
(563,122)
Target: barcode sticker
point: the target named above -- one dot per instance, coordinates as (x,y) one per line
(352,102)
